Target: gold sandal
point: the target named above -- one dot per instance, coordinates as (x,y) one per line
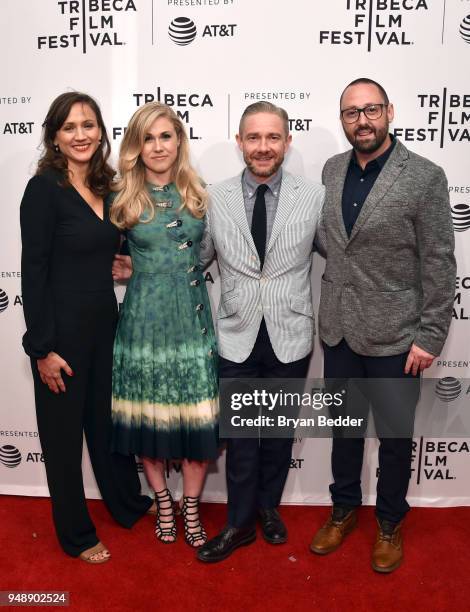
(92,555)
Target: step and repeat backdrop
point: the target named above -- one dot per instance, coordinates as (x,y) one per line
(208,59)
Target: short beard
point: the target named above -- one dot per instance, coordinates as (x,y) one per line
(264,173)
(374,144)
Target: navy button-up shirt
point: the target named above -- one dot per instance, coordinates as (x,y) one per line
(358,184)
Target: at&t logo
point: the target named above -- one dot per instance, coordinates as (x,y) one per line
(465,29)
(183,31)
(10,456)
(461,217)
(448,389)
(3,300)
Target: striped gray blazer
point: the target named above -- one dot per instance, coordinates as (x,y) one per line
(282,291)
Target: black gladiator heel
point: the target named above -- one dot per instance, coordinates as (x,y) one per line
(165,516)
(190,508)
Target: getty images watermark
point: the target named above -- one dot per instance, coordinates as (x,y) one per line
(387,408)
(282,402)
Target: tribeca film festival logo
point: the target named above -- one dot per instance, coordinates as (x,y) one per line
(183,31)
(462,296)
(446,120)
(431,458)
(10,456)
(88,23)
(380,22)
(187,101)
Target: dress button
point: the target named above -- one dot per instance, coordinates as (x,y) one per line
(204,331)
(355,204)
(176,223)
(200,307)
(185,245)
(195,283)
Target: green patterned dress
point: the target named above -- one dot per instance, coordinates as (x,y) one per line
(165,401)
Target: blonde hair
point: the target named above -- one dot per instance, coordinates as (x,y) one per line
(133,199)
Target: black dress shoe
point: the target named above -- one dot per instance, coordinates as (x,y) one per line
(223,545)
(274,530)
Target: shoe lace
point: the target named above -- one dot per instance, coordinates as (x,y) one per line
(387,531)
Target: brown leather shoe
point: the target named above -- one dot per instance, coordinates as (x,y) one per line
(330,536)
(387,553)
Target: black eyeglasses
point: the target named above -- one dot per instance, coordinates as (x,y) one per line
(371,111)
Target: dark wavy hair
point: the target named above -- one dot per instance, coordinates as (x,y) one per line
(100,174)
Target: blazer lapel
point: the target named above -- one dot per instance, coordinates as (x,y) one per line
(236,207)
(385,180)
(287,198)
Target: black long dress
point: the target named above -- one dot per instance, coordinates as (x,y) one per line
(70,308)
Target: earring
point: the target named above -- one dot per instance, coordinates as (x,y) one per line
(56,148)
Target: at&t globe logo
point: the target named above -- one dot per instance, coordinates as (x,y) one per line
(3,300)
(182,31)
(448,389)
(465,29)
(10,456)
(461,217)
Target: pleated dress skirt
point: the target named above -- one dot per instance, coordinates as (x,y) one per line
(165,397)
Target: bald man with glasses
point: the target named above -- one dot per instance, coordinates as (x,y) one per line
(386,302)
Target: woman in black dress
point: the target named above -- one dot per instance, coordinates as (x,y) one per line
(71,312)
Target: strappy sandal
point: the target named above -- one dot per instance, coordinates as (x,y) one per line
(96,554)
(194,533)
(165,516)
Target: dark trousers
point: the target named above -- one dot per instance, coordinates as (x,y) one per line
(85,325)
(394,453)
(257,469)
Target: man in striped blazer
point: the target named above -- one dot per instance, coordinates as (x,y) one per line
(261,225)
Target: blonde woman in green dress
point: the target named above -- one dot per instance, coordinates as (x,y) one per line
(165,360)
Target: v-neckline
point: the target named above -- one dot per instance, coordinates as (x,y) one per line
(88,205)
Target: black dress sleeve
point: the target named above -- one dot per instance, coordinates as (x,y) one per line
(38,219)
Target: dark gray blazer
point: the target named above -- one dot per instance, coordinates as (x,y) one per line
(392,283)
